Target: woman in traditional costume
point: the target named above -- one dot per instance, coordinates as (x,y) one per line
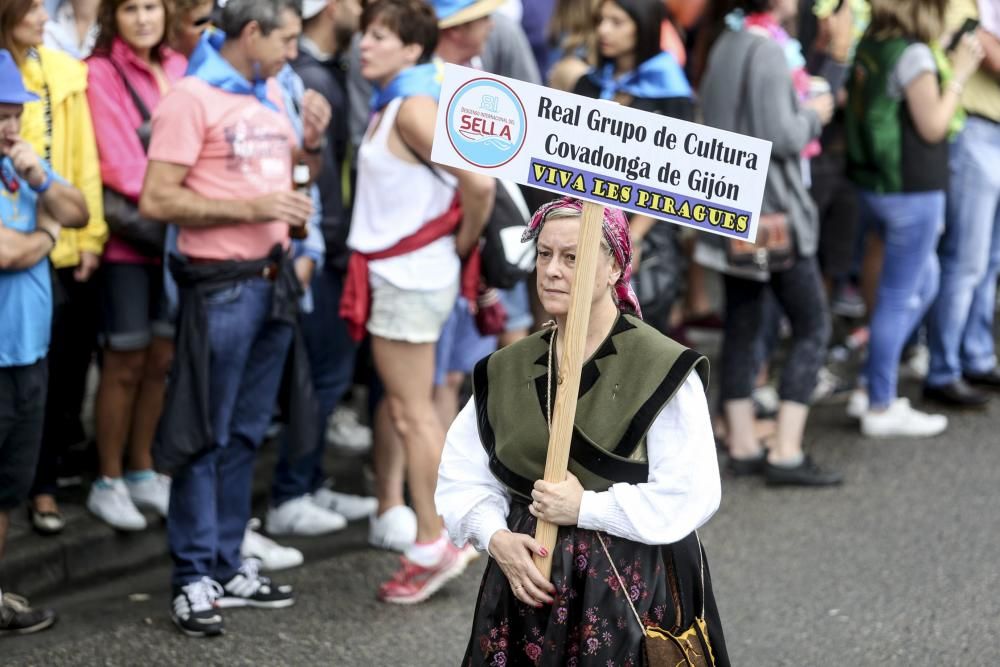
(643,476)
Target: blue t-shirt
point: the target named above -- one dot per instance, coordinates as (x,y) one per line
(25,295)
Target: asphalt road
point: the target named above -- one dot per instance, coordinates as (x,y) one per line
(898,567)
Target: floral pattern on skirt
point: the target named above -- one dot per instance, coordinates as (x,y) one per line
(589,623)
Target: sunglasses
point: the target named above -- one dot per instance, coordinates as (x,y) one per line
(202,21)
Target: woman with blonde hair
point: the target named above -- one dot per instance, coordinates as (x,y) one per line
(573,38)
(902,104)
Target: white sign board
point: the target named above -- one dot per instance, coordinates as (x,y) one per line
(602,152)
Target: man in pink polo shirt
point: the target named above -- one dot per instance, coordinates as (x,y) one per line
(220,167)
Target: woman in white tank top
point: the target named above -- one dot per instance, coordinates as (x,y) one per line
(399,195)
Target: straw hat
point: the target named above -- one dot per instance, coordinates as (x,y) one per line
(451,13)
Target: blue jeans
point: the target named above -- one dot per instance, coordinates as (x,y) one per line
(331,358)
(910,224)
(210,497)
(961,320)
(517,303)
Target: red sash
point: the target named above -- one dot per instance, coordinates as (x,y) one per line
(356,301)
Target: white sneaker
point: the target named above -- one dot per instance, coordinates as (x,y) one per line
(272,556)
(395,529)
(153,493)
(857,404)
(351,507)
(901,420)
(113,505)
(345,430)
(917,364)
(300,516)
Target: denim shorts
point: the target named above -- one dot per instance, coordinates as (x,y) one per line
(461,345)
(409,316)
(133,306)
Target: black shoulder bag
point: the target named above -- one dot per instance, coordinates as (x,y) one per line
(122,214)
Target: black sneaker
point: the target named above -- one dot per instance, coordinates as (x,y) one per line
(248,588)
(193,610)
(987,380)
(806,473)
(747,467)
(957,394)
(17,618)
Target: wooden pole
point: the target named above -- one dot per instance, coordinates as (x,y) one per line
(570,365)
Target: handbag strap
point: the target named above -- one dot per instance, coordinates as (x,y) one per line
(628,598)
(621,583)
(743,104)
(136,100)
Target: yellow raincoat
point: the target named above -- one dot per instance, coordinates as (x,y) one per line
(71,147)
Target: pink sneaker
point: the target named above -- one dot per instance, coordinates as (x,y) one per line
(414,583)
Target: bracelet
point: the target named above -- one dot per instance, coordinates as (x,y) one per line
(49,234)
(956,87)
(46,184)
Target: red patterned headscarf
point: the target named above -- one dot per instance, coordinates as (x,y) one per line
(615,228)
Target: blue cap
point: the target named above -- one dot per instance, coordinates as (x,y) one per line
(12,90)
(456,12)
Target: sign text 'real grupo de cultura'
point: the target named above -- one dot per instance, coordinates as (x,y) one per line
(598,151)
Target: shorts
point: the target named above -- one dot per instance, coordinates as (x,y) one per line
(409,316)
(461,345)
(22,415)
(133,306)
(515,301)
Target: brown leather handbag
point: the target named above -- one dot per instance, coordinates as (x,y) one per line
(775,248)
(773,251)
(663,648)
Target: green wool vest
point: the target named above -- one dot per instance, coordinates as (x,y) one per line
(885,154)
(623,387)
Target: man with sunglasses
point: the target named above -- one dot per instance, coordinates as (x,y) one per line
(34,204)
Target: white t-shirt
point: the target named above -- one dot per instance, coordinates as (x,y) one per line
(916,59)
(393,199)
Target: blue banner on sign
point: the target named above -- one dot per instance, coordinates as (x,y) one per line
(641,199)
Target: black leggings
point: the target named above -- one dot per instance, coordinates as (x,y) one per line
(799,292)
(75,318)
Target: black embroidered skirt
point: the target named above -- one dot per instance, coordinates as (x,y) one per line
(590,622)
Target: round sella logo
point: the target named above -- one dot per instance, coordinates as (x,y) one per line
(486,123)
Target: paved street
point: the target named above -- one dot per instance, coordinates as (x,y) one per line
(899,567)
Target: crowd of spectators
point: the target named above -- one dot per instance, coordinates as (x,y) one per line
(229,211)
